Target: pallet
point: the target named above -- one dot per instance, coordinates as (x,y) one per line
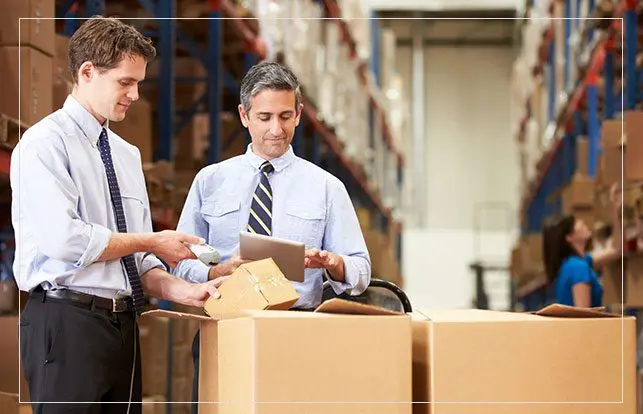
(10,130)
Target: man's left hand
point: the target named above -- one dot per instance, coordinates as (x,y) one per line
(333,263)
(198,293)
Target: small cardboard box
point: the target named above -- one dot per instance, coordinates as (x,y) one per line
(353,358)
(9,404)
(256,285)
(475,361)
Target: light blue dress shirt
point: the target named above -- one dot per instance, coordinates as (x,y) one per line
(310,206)
(62,212)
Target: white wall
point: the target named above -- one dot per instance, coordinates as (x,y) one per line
(471,160)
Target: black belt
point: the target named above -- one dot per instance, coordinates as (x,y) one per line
(89,301)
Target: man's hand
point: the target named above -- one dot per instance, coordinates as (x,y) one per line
(170,246)
(333,263)
(226,268)
(197,293)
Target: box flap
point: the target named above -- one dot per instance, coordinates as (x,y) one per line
(346,307)
(160,313)
(564,311)
(272,284)
(470,315)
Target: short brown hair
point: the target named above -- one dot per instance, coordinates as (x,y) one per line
(105,41)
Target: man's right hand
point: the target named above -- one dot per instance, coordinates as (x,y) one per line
(226,268)
(169,246)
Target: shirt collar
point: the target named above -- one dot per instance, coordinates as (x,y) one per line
(86,121)
(278,163)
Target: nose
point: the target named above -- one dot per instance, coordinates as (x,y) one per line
(132,94)
(276,129)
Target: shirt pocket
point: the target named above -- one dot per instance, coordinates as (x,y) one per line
(135,213)
(305,223)
(222,216)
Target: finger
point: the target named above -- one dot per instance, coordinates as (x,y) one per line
(188,238)
(218,281)
(212,291)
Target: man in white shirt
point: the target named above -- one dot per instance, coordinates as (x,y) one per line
(84,243)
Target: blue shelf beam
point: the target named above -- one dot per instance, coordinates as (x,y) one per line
(215,74)
(630,55)
(166,107)
(593,128)
(95,7)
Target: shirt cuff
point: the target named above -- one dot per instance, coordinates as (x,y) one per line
(98,240)
(192,270)
(352,279)
(150,262)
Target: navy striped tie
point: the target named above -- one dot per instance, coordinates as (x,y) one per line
(119,213)
(260,219)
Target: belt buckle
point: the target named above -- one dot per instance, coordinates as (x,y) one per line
(118,306)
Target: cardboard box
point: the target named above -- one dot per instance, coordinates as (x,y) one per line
(154,405)
(62,89)
(33,87)
(255,285)
(633,122)
(9,404)
(253,363)
(587,215)
(8,296)
(582,156)
(544,357)
(61,58)
(580,192)
(612,133)
(612,281)
(12,379)
(136,128)
(29,31)
(154,338)
(634,280)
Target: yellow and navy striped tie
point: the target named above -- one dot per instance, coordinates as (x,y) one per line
(260,219)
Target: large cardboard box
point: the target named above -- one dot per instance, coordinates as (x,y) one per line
(61,58)
(154,343)
(136,128)
(31,30)
(612,280)
(582,156)
(12,379)
(634,280)
(33,85)
(633,157)
(62,89)
(343,358)
(580,192)
(464,361)
(9,404)
(612,133)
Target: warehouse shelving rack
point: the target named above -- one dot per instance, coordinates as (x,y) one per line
(557,164)
(324,146)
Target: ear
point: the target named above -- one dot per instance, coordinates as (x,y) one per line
(243,115)
(299,111)
(86,71)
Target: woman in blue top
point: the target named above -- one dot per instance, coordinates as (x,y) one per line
(567,264)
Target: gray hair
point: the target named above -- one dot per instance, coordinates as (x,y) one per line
(268,75)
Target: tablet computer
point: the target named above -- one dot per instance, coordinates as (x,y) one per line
(288,255)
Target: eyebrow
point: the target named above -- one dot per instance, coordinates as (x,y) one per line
(129,79)
(288,112)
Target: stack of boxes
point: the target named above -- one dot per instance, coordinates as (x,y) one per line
(28,44)
(382,248)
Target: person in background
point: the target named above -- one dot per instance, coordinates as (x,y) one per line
(568,265)
(271,191)
(85,250)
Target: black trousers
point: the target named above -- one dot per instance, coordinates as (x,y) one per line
(79,360)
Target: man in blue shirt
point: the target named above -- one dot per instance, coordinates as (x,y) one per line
(271,191)
(84,243)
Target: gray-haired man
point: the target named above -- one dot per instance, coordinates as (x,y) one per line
(269,190)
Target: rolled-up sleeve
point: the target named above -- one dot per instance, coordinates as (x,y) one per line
(191,222)
(47,200)
(343,236)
